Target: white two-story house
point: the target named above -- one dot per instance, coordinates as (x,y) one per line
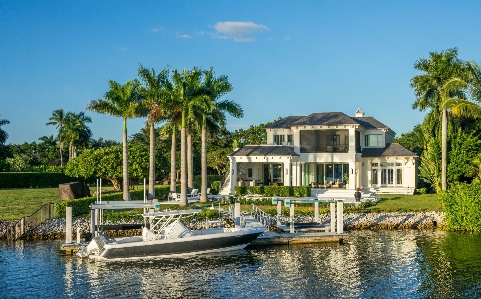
(325,150)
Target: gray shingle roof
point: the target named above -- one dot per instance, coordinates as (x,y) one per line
(264,150)
(370,122)
(392,149)
(284,123)
(327,119)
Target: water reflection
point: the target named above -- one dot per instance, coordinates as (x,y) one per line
(403,264)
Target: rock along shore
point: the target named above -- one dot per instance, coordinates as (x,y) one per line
(55,228)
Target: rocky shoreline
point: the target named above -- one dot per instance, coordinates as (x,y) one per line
(55,228)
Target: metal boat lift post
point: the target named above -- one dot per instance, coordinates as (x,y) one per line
(290,202)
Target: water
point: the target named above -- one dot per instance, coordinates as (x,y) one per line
(383,264)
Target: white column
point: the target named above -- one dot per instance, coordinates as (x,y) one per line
(287,173)
(316,212)
(233,175)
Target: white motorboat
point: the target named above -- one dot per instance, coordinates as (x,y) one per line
(168,237)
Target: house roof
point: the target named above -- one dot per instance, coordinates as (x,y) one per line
(264,150)
(369,122)
(284,123)
(327,119)
(392,149)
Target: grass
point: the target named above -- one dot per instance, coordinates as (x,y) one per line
(17,203)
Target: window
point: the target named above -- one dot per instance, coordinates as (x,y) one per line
(249,172)
(399,176)
(373,140)
(279,139)
(290,139)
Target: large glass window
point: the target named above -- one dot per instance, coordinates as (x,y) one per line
(373,140)
(324,141)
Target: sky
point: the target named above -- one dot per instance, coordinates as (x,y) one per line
(282,58)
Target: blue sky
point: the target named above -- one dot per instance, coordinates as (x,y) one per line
(282,57)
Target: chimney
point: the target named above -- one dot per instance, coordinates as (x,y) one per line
(359,113)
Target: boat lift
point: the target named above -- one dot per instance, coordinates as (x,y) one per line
(290,202)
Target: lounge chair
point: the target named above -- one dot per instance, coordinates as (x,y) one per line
(250,194)
(193,193)
(174,196)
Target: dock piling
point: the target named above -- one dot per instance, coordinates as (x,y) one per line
(68,225)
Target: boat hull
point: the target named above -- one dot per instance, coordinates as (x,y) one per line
(181,246)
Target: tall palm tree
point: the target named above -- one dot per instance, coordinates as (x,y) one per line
(3,134)
(438,70)
(57,119)
(153,95)
(184,95)
(214,115)
(122,101)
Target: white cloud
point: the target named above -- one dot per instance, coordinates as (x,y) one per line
(184,35)
(240,31)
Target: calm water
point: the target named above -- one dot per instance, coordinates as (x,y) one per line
(402,264)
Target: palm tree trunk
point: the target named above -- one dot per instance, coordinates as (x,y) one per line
(151,194)
(173,173)
(61,158)
(183,168)
(125,164)
(444,148)
(203,187)
(190,161)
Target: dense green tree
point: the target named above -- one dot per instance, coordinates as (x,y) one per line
(107,164)
(413,141)
(253,135)
(121,101)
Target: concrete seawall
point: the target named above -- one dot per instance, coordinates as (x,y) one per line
(55,228)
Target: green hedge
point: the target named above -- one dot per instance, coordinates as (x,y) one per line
(462,207)
(210,180)
(81,206)
(270,191)
(12,180)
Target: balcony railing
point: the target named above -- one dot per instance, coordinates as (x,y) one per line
(324,148)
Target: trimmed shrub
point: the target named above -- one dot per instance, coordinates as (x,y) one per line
(462,207)
(272,191)
(33,179)
(210,180)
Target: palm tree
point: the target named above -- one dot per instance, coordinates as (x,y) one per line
(438,70)
(122,101)
(184,94)
(153,100)
(3,134)
(57,119)
(75,132)
(215,87)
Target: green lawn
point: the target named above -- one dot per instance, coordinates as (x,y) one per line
(401,203)
(17,203)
